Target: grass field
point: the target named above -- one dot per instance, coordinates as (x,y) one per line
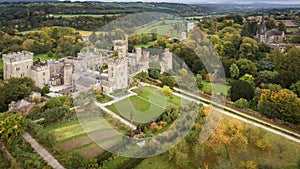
(146,106)
(162,28)
(144,46)
(90,15)
(219,88)
(44,57)
(292,30)
(82,32)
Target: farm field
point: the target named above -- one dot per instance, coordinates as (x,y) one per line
(146,106)
(162,28)
(72,137)
(76,15)
(82,32)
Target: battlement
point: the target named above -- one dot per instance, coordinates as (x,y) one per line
(117,61)
(17,56)
(120,42)
(40,67)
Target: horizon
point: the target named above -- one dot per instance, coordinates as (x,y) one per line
(275,2)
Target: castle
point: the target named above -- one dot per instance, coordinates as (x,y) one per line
(84,69)
(269,37)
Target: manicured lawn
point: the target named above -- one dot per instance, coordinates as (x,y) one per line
(44,57)
(146,106)
(156,96)
(141,110)
(218,88)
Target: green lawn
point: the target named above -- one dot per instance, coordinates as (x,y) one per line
(142,111)
(292,30)
(218,88)
(44,57)
(161,27)
(102,98)
(146,106)
(82,32)
(144,46)
(76,15)
(1,63)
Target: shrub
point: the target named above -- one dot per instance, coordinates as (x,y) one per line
(263,144)
(242,103)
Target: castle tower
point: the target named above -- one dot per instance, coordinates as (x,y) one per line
(121,46)
(68,74)
(138,54)
(118,73)
(166,63)
(40,73)
(17,64)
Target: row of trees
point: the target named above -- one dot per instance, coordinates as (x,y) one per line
(52,40)
(253,68)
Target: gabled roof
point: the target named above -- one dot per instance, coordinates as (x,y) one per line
(274,32)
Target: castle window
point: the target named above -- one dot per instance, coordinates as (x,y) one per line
(27,66)
(43,73)
(17,69)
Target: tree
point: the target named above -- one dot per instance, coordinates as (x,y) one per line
(236,93)
(45,90)
(199,81)
(266,64)
(270,23)
(242,103)
(295,87)
(53,102)
(76,160)
(267,76)
(282,104)
(281,26)
(50,54)
(234,71)
(246,66)
(11,126)
(154,73)
(15,89)
(180,154)
(167,81)
(166,90)
(248,78)
(249,49)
